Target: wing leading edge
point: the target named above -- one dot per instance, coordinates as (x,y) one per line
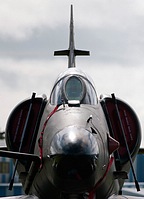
(35,197)
(21,197)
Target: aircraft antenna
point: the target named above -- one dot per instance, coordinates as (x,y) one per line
(71,52)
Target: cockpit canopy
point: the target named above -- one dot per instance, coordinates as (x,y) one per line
(73,85)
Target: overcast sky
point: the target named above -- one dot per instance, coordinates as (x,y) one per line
(30,30)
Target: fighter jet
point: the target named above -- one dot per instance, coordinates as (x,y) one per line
(73,145)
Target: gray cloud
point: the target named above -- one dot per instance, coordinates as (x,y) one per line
(8,79)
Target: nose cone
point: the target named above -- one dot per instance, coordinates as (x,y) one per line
(74,140)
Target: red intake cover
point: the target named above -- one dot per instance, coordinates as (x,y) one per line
(21,130)
(130,125)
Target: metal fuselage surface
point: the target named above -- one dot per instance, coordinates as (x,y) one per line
(85,157)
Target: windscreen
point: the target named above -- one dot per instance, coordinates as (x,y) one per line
(73,87)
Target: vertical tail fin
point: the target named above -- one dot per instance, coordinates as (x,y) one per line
(71,52)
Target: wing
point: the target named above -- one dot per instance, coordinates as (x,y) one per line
(35,197)
(124,197)
(21,197)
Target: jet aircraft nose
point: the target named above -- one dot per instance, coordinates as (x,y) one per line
(74,140)
(73,160)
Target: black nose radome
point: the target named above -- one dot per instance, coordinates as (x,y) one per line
(74,140)
(73,173)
